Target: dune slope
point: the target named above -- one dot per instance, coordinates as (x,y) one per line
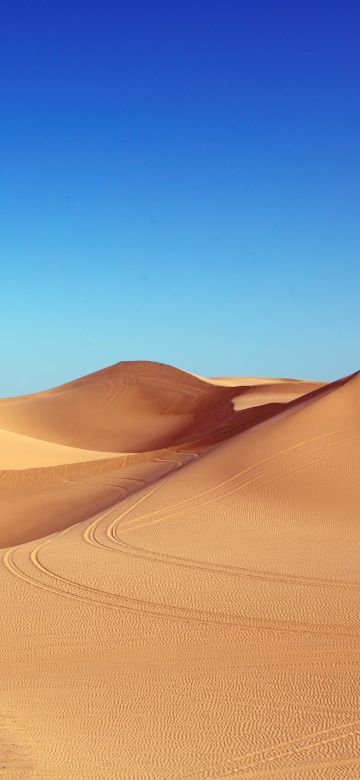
(204,623)
(149,413)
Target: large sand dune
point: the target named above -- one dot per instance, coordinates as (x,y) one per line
(180,581)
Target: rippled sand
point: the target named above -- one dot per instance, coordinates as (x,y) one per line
(180,578)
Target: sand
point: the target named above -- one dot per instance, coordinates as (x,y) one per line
(180,584)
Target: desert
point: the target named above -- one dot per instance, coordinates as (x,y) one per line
(180,577)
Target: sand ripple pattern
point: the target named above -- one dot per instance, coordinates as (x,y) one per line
(191,611)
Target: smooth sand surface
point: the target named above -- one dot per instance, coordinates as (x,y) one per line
(180,578)
(24,452)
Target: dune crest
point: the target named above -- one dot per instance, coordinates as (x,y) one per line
(127,407)
(180,578)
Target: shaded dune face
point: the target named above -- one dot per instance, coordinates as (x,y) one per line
(180,578)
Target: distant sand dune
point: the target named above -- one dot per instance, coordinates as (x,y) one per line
(127,407)
(180,579)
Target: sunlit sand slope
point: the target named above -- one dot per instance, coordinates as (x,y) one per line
(25,452)
(206,623)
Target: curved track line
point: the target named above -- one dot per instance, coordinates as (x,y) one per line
(278,774)
(134,524)
(240,572)
(231,479)
(234,768)
(129,549)
(156,609)
(139,605)
(106,382)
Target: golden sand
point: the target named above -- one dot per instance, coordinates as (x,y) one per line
(180,578)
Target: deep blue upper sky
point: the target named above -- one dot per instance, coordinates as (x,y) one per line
(180,181)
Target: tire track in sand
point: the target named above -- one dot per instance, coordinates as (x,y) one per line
(192,563)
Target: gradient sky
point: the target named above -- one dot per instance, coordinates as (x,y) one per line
(180,181)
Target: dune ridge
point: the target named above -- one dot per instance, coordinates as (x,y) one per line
(180,577)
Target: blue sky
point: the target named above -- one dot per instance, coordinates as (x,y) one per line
(180,181)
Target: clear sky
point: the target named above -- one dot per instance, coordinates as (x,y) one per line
(180,181)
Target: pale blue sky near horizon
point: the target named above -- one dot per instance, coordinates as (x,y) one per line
(180,182)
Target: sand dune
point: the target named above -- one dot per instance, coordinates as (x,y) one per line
(180,578)
(127,407)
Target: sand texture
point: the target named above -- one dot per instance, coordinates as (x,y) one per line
(180,578)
